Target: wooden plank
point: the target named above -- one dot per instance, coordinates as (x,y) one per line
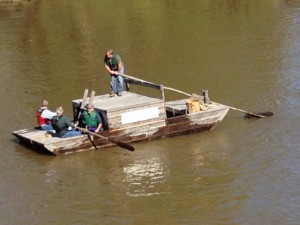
(92,97)
(143,83)
(83,102)
(127,100)
(143,126)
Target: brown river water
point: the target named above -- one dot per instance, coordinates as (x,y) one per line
(246,53)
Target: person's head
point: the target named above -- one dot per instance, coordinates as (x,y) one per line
(45,103)
(90,108)
(109,53)
(59,111)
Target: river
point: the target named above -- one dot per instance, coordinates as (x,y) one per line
(246,53)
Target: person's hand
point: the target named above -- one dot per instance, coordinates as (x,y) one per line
(86,129)
(75,124)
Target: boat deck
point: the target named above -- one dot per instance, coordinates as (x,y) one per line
(128,100)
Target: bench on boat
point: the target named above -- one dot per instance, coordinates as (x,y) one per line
(177,107)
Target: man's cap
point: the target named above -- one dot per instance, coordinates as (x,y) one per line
(89,105)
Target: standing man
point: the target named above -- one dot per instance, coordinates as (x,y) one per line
(114,65)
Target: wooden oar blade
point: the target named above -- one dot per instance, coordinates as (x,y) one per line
(91,140)
(258,115)
(124,145)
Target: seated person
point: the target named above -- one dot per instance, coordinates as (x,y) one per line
(91,119)
(44,116)
(61,125)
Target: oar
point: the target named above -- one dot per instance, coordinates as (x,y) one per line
(119,143)
(91,140)
(248,114)
(264,114)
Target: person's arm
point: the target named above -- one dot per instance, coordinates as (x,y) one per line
(68,123)
(47,114)
(98,128)
(108,69)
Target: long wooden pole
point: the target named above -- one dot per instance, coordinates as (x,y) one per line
(240,110)
(189,95)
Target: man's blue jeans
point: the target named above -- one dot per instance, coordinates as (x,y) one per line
(47,127)
(116,82)
(71,133)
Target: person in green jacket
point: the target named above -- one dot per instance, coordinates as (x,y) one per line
(114,65)
(62,125)
(91,119)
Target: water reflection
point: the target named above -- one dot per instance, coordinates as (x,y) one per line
(145,177)
(52,176)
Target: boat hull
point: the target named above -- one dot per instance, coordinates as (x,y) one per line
(172,126)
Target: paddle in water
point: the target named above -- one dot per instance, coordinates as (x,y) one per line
(258,115)
(119,143)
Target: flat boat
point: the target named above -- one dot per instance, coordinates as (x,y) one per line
(131,118)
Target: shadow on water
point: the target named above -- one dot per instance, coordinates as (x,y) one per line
(34,148)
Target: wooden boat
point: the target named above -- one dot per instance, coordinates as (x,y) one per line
(133,117)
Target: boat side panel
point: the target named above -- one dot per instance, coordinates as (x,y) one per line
(178,125)
(114,118)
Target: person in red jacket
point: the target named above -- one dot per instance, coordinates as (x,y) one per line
(44,116)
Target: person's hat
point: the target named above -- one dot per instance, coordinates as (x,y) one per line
(89,105)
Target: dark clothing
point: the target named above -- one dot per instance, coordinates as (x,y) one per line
(61,125)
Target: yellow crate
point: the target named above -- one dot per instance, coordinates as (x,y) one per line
(193,105)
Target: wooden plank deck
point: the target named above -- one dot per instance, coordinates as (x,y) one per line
(128,100)
(38,136)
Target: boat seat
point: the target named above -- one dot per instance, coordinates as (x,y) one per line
(177,107)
